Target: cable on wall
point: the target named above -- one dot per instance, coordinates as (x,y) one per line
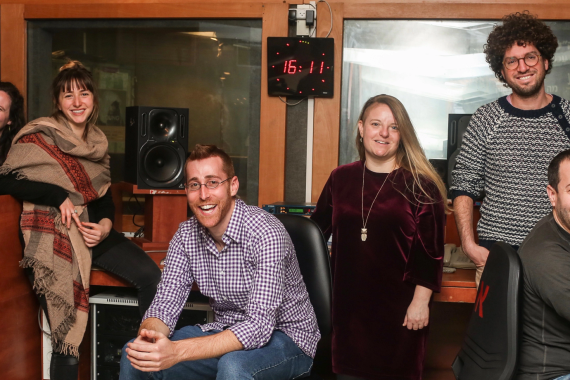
(330,12)
(291,104)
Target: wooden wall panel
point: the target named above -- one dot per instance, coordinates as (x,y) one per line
(455,10)
(20,338)
(273,113)
(327,110)
(136,2)
(189,10)
(13,45)
(179,2)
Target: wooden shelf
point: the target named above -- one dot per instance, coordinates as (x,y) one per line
(457,287)
(133,189)
(461,278)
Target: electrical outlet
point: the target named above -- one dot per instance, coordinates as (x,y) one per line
(302,28)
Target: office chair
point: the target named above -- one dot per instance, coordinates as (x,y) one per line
(489,350)
(314,263)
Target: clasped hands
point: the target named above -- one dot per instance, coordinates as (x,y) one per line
(93,233)
(152,351)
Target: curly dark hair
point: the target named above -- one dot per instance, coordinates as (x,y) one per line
(520,28)
(16,117)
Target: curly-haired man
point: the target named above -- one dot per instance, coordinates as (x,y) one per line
(509,143)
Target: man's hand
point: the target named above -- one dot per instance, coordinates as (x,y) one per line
(95,233)
(151,357)
(476,253)
(463,206)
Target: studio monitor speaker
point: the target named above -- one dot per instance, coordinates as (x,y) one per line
(457,125)
(156,143)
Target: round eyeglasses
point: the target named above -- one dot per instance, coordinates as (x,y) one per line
(530,59)
(211,184)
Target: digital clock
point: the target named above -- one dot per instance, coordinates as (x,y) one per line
(300,67)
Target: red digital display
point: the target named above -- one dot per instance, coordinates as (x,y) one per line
(298,67)
(290,67)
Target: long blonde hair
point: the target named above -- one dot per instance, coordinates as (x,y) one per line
(410,155)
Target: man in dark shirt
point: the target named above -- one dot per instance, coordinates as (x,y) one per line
(545,255)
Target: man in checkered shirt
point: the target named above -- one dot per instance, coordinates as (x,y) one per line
(243,259)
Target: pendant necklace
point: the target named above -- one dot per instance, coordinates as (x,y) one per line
(364,230)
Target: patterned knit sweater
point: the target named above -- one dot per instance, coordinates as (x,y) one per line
(505,153)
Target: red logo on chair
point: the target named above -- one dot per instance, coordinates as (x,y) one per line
(483,291)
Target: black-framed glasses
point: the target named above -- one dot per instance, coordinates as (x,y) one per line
(530,59)
(211,184)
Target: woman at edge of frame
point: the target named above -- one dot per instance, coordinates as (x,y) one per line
(386,213)
(59,167)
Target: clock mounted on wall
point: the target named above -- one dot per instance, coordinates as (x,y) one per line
(300,66)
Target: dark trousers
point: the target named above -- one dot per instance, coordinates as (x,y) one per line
(488,243)
(127,261)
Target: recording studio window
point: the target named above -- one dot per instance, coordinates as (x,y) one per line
(435,68)
(210,67)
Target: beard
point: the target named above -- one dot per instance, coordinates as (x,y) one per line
(223,206)
(528,91)
(563,216)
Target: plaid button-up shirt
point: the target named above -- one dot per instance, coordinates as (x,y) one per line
(254,284)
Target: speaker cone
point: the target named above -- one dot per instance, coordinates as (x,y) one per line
(163,124)
(161,163)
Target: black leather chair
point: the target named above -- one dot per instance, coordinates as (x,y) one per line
(314,262)
(489,350)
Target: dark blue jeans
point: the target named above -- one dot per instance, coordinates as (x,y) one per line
(279,359)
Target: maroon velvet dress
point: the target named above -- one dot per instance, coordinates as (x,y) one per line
(374,280)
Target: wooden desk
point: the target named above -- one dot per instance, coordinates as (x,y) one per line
(457,287)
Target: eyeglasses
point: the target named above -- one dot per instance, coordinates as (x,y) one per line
(211,184)
(530,59)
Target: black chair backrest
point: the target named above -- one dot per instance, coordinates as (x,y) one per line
(314,262)
(491,342)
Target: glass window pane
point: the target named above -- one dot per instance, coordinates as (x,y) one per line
(211,67)
(433,67)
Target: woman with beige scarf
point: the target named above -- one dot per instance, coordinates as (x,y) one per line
(59,166)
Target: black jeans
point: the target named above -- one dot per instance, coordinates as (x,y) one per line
(130,262)
(127,261)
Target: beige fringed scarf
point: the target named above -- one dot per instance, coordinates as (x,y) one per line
(46,150)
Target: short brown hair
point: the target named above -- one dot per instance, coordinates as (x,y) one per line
(74,74)
(554,168)
(201,152)
(522,29)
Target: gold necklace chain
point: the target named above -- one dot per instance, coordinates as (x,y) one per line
(364,230)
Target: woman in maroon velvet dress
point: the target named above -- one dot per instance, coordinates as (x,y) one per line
(386,216)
